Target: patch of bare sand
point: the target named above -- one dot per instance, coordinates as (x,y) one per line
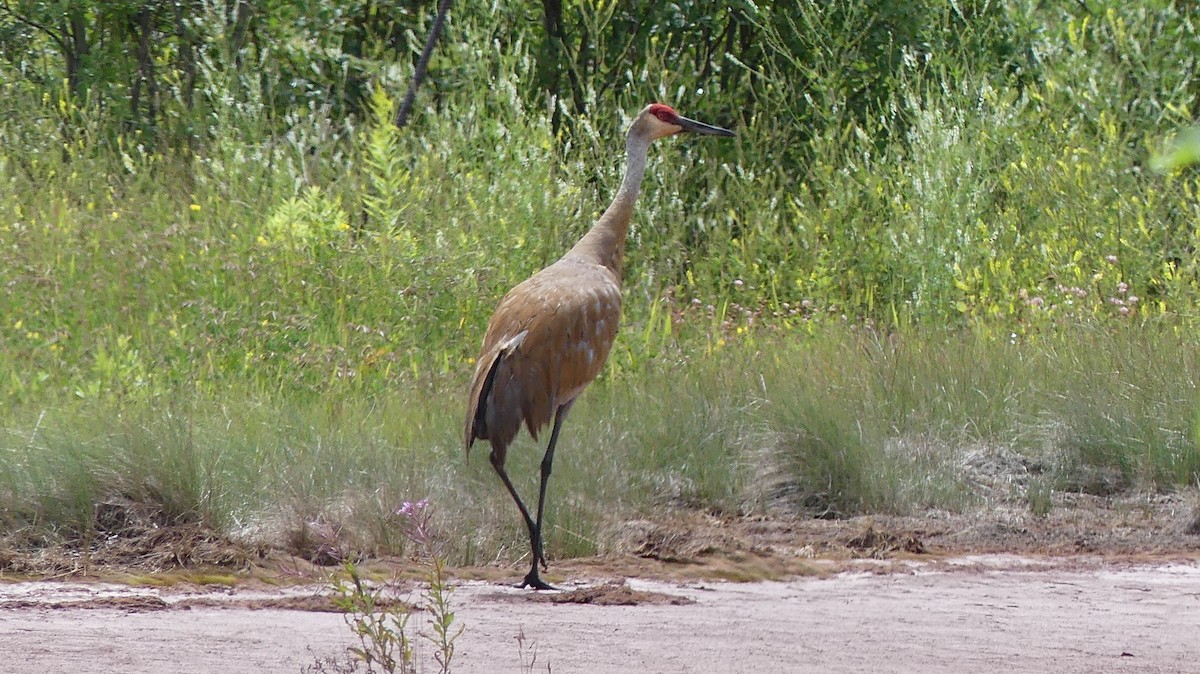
(986,613)
(1099,584)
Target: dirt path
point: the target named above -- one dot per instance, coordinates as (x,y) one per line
(982,614)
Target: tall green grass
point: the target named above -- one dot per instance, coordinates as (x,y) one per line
(847,421)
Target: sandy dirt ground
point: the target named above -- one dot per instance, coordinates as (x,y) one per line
(982,613)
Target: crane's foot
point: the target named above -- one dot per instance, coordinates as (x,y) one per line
(533,581)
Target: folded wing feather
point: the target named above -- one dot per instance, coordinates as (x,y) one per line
(547,341)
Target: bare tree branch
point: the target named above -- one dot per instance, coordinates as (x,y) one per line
(422,64)
(21,18)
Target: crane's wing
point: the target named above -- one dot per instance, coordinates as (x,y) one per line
(548,339)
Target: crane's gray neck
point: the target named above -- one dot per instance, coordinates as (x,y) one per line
(637,146)
(605,242)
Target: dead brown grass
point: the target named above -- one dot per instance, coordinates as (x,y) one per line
(675,545)
(130,604)
(613,593)
(150,549)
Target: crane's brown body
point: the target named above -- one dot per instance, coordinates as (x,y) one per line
(552,333)
(548,339)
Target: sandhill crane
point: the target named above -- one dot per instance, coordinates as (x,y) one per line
(551,334)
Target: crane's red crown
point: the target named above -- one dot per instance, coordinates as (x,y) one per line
(664,112)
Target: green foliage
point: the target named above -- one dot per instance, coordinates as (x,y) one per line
(379,625)
(1182,151)
(306,222)
(386,173)
(1038,494)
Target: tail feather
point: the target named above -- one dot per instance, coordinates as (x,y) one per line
(481,386)
(493,408)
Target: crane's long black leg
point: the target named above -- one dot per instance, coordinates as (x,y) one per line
(499,468)
(531,580)
(536,537)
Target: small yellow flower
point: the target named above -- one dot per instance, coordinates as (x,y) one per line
(115,215)
(471,360)
(262,240)
(195,208)
(18,324)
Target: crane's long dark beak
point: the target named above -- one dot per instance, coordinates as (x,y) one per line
(701,128)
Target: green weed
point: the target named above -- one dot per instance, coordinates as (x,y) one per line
(381,623)
(381,627)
